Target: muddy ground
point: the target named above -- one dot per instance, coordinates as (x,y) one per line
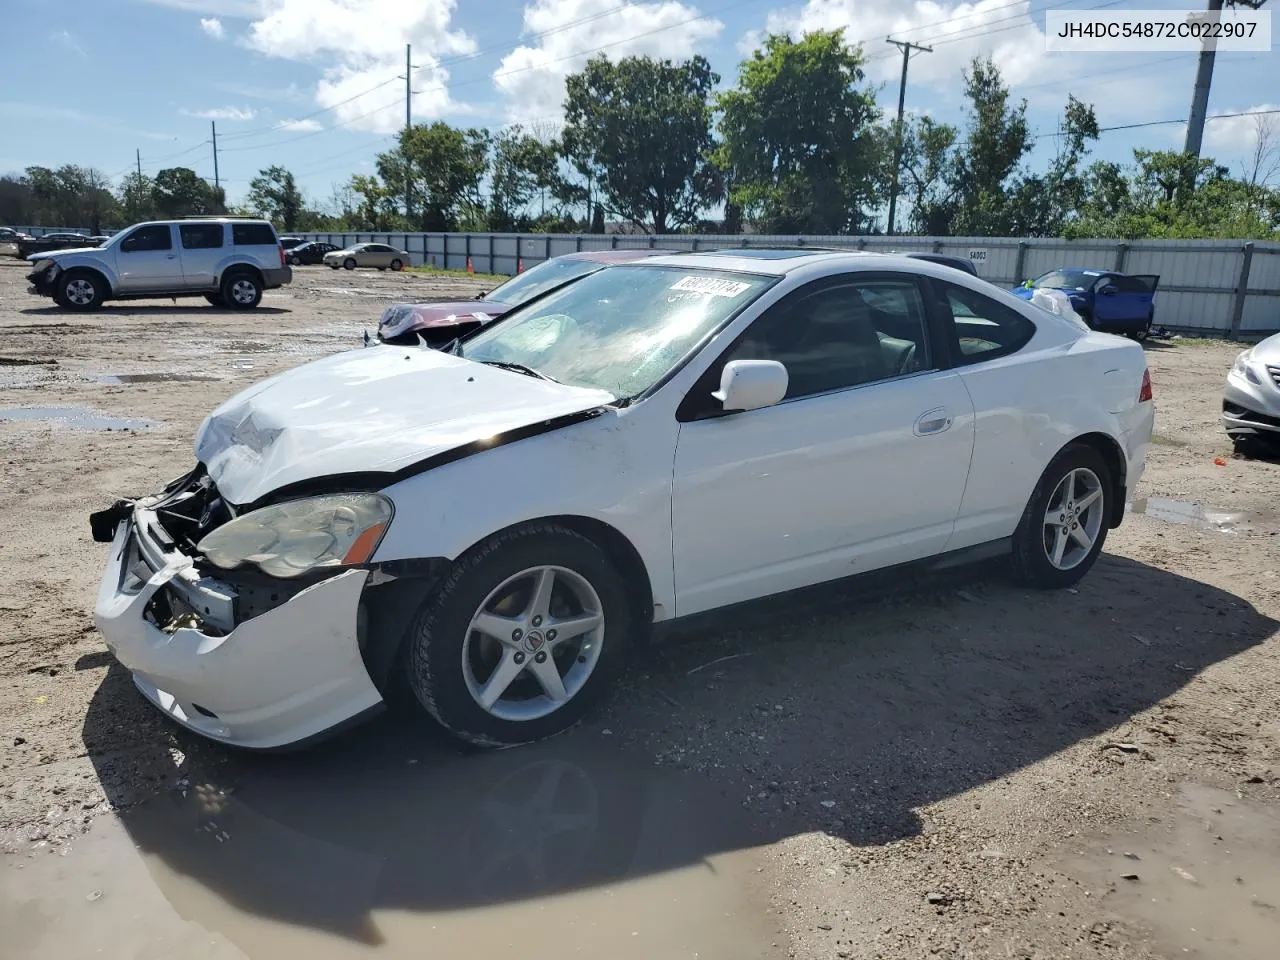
(952,768)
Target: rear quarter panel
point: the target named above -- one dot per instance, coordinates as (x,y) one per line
(1032,404)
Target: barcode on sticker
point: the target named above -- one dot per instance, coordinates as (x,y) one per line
(714,286)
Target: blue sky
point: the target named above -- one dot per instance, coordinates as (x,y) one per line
(311,84)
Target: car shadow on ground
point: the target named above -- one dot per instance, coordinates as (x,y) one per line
(840,710)
(136,308)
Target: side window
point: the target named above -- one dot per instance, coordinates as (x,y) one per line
(841,336)
(253,235)
(984,328)
(157,236)
(1129,285)
(201,236)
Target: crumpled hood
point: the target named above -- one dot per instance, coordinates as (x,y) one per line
(62,252)
(377,409)
(401,318)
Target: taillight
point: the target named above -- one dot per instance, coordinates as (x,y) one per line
(1145,394)
(280,247)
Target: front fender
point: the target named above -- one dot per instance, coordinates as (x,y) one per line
(615,469)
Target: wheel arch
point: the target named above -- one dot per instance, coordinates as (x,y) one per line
(96,271)
(241,267)
(1113,455)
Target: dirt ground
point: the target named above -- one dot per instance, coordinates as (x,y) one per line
(955,767)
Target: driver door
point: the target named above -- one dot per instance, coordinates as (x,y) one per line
(147,260)
(862,464)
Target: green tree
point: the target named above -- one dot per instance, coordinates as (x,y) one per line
(997,140)
(929,174)
(135,197)
(640,129)
(372,206)
(443,166)
(1042,205)
(181,192)
(274,194)
(799,139)
(523,165)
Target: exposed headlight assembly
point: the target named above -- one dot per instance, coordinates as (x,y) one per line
(291,539)
(1243,368)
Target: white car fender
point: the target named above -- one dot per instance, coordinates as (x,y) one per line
(614,469)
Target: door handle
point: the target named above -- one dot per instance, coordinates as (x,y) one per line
(932,421)
(171,256)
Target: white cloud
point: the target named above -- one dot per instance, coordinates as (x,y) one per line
(569,32)
(1235,135)
(361,45)
(1009,32)
(306,125)
(213,27)
(223,113)
(69,43)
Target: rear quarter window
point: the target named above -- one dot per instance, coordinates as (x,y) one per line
(253,235)
(983,328)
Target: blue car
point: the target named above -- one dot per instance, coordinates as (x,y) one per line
(1106,300)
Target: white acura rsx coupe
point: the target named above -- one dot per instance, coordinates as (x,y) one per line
(497,524)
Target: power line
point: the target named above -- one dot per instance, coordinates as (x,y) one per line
(1165,123)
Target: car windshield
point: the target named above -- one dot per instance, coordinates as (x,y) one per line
(1067,279)
(547,275)
(622,329)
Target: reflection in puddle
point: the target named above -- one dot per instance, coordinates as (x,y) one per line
(1203,880)
(80,418)
(412,852)
(120,379)
(1192,514)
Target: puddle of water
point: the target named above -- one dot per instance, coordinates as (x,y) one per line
(1191,514)
(120,379)
(79,418)
(1203,881)
(356,851)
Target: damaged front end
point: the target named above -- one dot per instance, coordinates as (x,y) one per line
(236,654)
(42,278)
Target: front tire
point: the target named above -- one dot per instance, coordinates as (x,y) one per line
(294,261)
(349,263)
(241,290)
(215,299)
(80,290)
(1066,520)
(529,629)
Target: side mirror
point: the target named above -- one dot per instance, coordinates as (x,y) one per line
(751,384)
(1110,290)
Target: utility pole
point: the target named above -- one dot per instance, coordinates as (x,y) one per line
(1204,77)
(906,49)
(138,153)
(408,122)
(213,125)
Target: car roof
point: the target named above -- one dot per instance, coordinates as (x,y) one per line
(620,255)
(779,261)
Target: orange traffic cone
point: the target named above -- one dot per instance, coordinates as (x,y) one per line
(519,266)
(470,268)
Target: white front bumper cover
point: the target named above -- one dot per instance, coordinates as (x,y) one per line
(282,677)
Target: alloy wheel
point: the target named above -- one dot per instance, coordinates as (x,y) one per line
(80,292)
(243,291)
(533,643)
(1073,518)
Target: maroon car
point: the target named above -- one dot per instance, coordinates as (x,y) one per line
(441,323)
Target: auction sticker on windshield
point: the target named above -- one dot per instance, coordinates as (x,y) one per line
(715,286)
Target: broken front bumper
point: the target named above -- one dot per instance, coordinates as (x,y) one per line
(272,680)
(42,281)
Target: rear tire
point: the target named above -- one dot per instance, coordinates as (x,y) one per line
(241,290)
(446,656)
(80,290)
(215,299)
(1070,506)
(397,265)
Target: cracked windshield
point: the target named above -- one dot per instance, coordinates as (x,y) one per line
(620,330)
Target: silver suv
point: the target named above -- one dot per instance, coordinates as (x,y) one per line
(228,261)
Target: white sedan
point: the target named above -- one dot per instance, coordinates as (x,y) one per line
(498,524)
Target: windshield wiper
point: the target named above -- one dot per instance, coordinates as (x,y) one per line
(518,368)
